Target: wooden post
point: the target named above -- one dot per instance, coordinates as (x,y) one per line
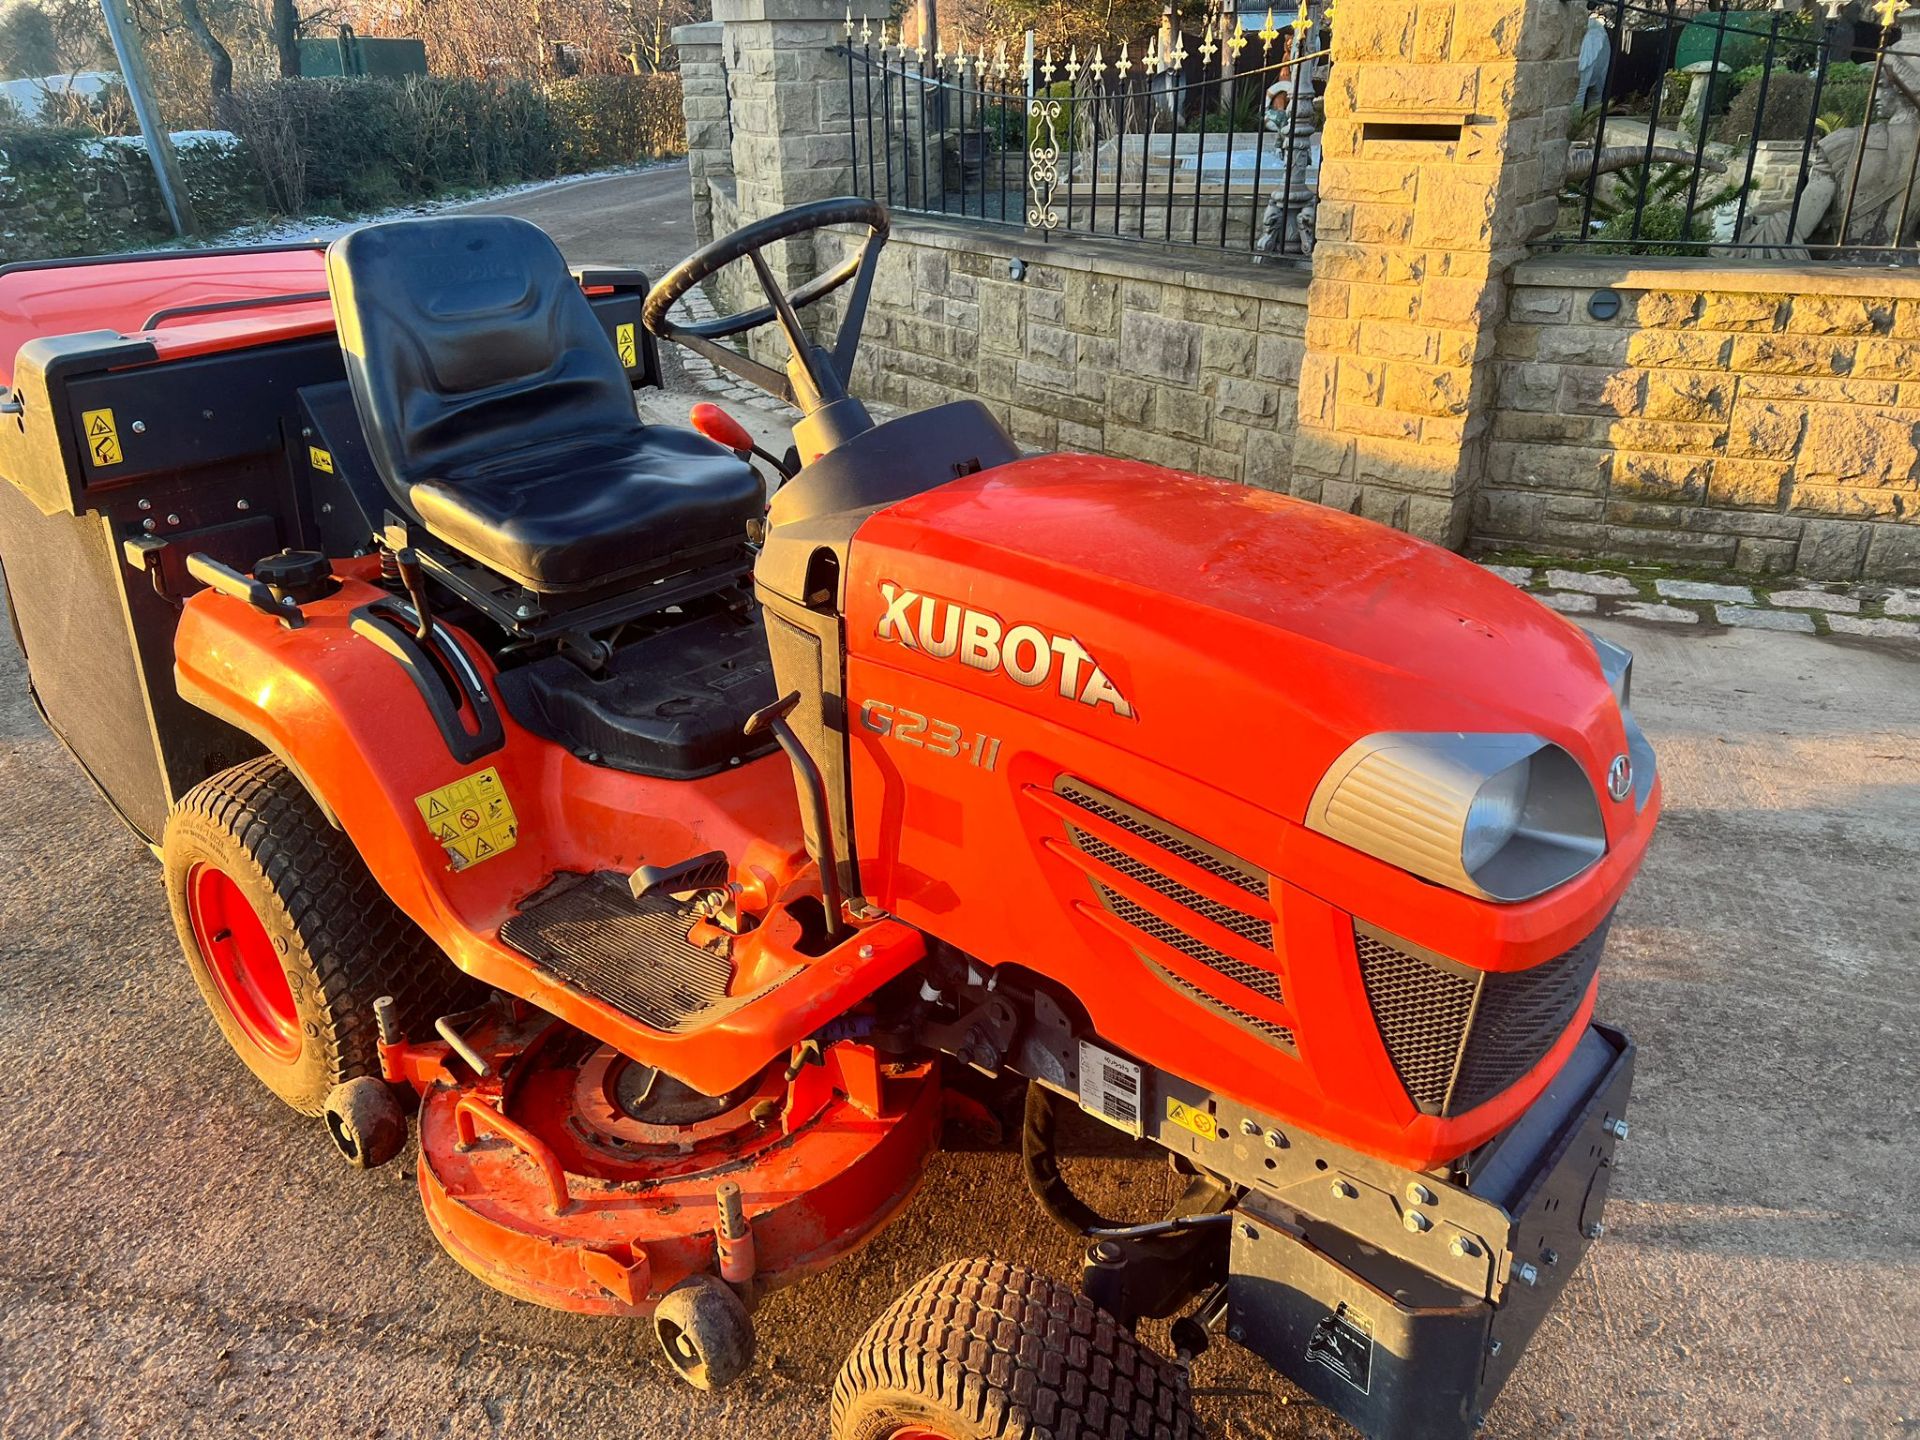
(166,165)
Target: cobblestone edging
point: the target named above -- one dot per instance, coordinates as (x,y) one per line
(1804,608)
(697,306)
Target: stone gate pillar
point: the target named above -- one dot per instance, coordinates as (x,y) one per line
(1444,146)
(703,104)
(792,132)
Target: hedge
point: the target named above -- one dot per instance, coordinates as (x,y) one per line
(347,145)
(68,192)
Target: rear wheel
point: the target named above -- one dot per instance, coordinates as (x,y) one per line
(982,1350)
(288,935)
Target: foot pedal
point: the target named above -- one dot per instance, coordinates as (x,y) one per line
(631,953)
(702,872)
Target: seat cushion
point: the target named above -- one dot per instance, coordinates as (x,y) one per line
(497,410)
(594,511)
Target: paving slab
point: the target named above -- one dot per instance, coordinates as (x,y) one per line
(1816,600)
(1746,618)
(1703,590)
(1660,614)
(1512,574)
(1591,582)
(1879,629)
(1569,604)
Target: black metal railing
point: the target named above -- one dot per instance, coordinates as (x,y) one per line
(1197,148)
(1760,133)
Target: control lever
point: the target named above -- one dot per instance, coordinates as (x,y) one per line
(774,718)
(406,564)
(721,428)
(228,581)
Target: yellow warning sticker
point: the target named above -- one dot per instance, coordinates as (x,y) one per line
(1187,1117)
(472,818)
(623,341)
(322,460)
(103,437)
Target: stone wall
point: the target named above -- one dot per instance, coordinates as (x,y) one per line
(1763,418)
(1095,347)
(62,195)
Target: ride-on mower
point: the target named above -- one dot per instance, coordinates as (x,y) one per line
(691,856)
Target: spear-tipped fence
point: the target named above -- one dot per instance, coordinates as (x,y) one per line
(1211,146)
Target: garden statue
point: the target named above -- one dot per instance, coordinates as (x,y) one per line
(1858,180)
(1596,58)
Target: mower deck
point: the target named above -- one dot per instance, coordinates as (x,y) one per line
(575,1178)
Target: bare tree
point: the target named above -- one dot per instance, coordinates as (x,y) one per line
(219,58)
(283,23)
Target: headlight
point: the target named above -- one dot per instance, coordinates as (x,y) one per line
(1503,817)
(1616,663)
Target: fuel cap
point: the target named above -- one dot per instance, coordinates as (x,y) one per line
(296,575)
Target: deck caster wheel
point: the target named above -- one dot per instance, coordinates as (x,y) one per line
(981,1350)
(706,1332)
(367,1121)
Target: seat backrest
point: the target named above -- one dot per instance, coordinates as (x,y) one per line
(467,340)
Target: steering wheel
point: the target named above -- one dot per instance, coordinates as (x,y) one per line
(823,373)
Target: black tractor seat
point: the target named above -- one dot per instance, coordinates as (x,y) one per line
(498,414)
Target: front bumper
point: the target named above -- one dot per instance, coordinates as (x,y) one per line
(1403,1301)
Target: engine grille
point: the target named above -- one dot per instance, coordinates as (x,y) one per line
(1254,929)
(1170,839)
(1458,1036)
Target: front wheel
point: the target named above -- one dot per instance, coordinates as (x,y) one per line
(982,1350)
(289,937)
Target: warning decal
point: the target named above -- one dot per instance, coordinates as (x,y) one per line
(1343,1342)
(103,437)
(322,460)
(624,342)
(1189,1117)
(472,818)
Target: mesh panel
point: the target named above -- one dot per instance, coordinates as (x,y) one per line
(1458,1037)
(1422,1012)
(1261,982)
(1270,1031)
(633,954)
(1247,927)
(1115,813)
(1520,1016)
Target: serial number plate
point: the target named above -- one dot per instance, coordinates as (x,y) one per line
(936,737)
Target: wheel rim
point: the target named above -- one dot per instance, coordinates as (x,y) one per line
(918,1432)
(245,966)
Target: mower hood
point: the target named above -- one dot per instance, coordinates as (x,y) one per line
(1251,635)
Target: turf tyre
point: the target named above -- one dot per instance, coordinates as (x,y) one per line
(339,941)
(984,1350)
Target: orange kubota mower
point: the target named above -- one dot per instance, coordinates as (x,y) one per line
(688,856)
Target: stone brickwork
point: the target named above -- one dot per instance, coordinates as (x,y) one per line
(790,125)
(703,102)
(1445,140)
(1763,419)
(1096,348)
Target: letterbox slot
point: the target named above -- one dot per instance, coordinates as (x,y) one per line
(1429,132)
